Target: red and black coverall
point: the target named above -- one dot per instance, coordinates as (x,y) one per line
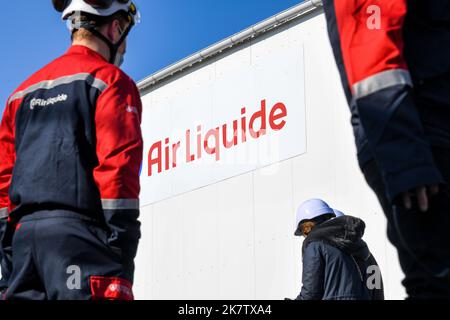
(393,58)
(70,155)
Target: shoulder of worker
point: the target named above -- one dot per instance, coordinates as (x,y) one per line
(78,61)
(320,247)
(313,247)
(84,60)
(114,76)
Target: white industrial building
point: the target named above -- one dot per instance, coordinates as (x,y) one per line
(218,217)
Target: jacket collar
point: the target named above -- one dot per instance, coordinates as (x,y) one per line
(344,233)
(79,49)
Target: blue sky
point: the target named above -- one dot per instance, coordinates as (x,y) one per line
(170,30)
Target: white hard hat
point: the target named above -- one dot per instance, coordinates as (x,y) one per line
(102,8)
(311,209)
(338,213)
(73,10)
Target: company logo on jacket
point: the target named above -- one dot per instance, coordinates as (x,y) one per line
(131,109)
(47,102)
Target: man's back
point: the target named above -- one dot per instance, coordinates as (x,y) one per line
(71,148)
(55,119)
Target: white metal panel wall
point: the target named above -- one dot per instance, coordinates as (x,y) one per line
(234,239)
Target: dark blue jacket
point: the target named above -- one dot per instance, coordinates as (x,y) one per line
(337,264)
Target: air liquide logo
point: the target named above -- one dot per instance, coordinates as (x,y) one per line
(166,154)
(47,102)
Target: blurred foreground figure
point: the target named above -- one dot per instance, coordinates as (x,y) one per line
(392,56)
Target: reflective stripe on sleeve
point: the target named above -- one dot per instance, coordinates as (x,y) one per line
(120,204)
(50,84)
(380,81)
(3,213)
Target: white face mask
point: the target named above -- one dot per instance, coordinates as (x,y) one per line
(120,57)
(118,61)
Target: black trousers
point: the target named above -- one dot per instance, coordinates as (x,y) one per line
(423,239)
(62,255)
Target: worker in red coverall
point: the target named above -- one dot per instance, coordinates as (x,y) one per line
(393,58)
(70,154)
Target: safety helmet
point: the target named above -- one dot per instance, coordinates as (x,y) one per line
(310,210)
(101,8)
(338,213)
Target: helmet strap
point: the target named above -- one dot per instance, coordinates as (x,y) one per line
(113,48)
